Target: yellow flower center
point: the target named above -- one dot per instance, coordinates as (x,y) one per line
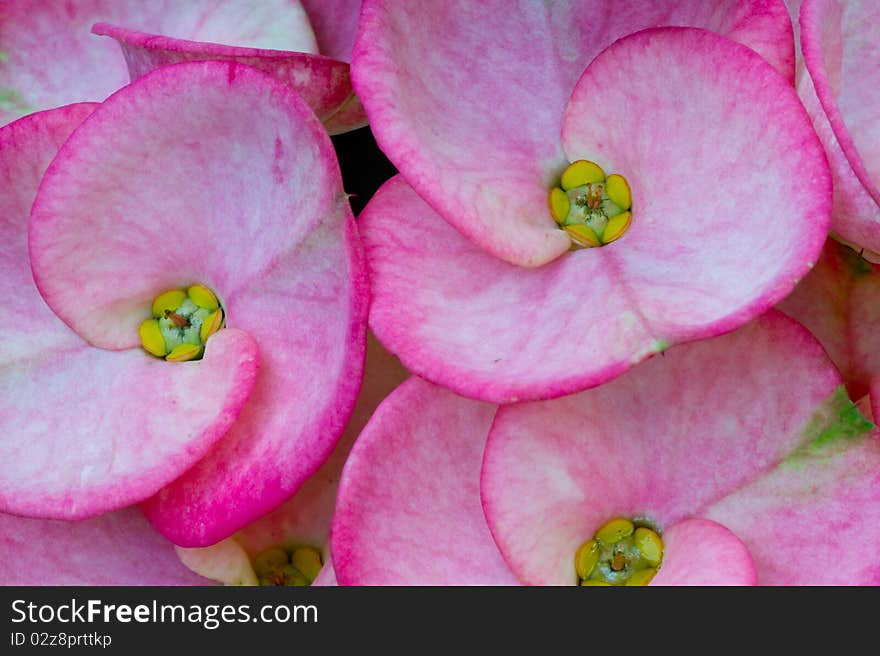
(278,566)
(182,322)
(621,552)
(594,209)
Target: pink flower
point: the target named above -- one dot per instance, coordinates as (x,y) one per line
(742,452)
(303,521)
(841,90)
(203,173)
(474,285)
(50,57)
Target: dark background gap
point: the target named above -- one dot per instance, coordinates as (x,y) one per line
(364,167)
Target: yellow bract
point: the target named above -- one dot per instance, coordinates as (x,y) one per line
(595,583)
(169,300)
(559,205)
(618,191)
(642,577)
(211,325)
(151,338)
(615,530)
(270,561)
(582,234)
(616,226)
(203,297)
(308,561)
(586,558)
(580,173)
(184,352)
(650,544)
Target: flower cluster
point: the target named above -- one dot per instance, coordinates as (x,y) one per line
(627,256)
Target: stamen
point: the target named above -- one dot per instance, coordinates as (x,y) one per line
(592,209)
(182,324)
(177,319)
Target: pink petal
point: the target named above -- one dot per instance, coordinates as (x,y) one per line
(335,23)
(839,301)
(52,59)
(327,576)
(667,439)
(322,82)
(87,430)
(842,54)
(701,552)
(409,511)
(815,518)
(115,549)
(758,232)
(305,518)
(474,126)
(240,191)
(482,327)
(855,216)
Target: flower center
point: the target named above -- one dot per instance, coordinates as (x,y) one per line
(182,322)
(278,566)
(621,552)
(593,209)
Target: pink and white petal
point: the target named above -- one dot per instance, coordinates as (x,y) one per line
(51,58)
(864,328)
(855,216)
(225,562)
(408,511)
(335,24)
(484,328)
(474,127)
(815,518)
(694,266)
(27,326)
(703,552)
(305,518)
(826,302)
(242,193)
(842,54)
(327,576)
(204,172)
(85,430)
(321,81)
(661,442)
(839,301)
(119,548)
(309,379)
